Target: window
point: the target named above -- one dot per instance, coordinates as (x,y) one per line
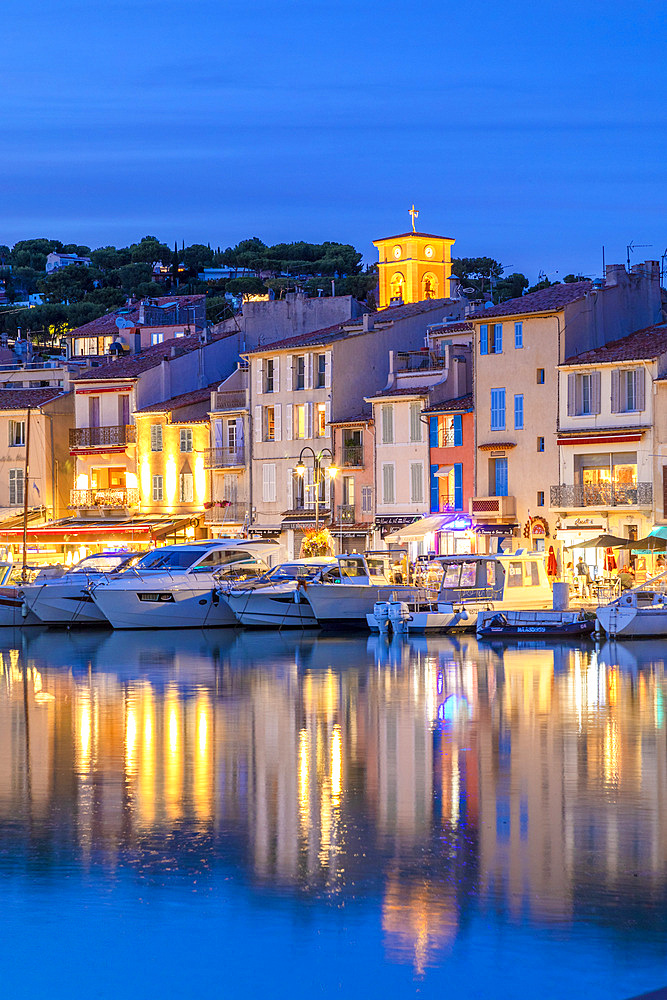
(627,390)
(540,444)
(269,423)
(388,492)
(497,343)
(540,498)
(540,376)
(416,482)
(449,432)
(157,338)
(321,371)
(158,489)
(156,437)
(321,420)
(518,412)
(491,338)
(348,491)
(300,372)
(15,487)
(269,483)
(366,499)
(299,492)
(185,487)
(484,339)
(583,393)
(388,424)
(231,435)
(497,409)
(518,335)
(16,433)
(186,439)
(270,370)
(300,421)
(415,422)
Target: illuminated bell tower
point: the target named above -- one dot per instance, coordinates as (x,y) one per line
(414,266)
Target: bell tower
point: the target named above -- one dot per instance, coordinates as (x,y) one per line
(414,266)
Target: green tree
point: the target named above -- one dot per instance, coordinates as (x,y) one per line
(570,278)
(512,286)
(149,250)
(196,257)
(67,284)
(33,253)
(110,258)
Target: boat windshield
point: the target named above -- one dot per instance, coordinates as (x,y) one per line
(295,571)
(476,578)
(106,562)
(168,559)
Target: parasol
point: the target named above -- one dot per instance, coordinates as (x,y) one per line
(600,542)
(552,565)
(609,560)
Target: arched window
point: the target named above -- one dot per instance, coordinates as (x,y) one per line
(396,285)
(429,286)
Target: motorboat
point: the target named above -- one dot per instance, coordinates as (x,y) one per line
(279,599)
(468,584)
(346,593)
(641,611)
(555,624)
(12,611)
(66,599)
(178,586)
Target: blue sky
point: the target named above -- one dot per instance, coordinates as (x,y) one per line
(533,132)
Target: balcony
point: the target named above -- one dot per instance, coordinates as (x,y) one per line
(602,495)
(224,458)
(101,437)
(104,498)
(493,507)
(353,456)
(345,513)
(233,513)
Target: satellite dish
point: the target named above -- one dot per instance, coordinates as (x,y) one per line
(122,323)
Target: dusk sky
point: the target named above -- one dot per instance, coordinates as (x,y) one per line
(532,132)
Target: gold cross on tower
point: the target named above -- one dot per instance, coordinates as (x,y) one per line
(414,212)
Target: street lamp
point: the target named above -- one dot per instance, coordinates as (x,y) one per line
(319,473)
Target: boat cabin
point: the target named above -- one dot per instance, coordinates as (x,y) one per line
(517,580)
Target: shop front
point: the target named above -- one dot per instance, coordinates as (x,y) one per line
(436,534)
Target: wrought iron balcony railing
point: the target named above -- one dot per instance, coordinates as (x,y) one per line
(104,498)
(353,456)
(224,458)
(603,495)
(226,512)
(346,514)
(99,437)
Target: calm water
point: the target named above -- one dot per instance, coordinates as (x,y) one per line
(222,814)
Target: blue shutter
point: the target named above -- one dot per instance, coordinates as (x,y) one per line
(458,430)
(518,335)
(433,432)
(498,338)
(501,477)
(435,490)
(518,412)
(458,486)
(484,339)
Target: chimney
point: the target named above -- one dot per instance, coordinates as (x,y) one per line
(165,378)
(612,273)
(454,287)
(368,322)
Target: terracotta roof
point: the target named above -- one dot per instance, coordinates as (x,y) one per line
(453,405)
(499,446)
(403,236)
(351,327)
(105,326)
(359,418)
(21,399)
(465,326)
(413,390)
(132,365)
(185,399)
(551,299)
(641,345)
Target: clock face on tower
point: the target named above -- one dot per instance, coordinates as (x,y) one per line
(428,251)
(397,252)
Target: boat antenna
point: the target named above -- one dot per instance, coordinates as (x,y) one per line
(24,564)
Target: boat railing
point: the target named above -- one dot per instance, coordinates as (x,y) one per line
(470,595)
(409,594)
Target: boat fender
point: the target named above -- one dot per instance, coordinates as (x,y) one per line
(24,610)
(215,598)
(464,616)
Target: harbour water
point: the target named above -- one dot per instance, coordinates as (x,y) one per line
(297,815)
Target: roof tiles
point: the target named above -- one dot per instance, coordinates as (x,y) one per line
(551,299)
(641,345)
(21,399)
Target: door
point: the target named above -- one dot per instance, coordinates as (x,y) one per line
(501,477)
(93,411)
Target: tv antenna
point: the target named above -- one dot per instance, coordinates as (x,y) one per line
(631,247)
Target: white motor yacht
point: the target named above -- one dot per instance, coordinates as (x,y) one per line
(279,599)
(65,599)
(468,585)
(178,586)
(347,592)
(641,611)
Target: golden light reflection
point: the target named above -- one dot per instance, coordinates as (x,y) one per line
(130,741)
(336,765)
(419,920)
(174,757)
(85,731)
(304,782)
(203,761)
(146,775)
(612,753)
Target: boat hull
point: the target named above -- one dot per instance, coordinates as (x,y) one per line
(254,609)
(58,604)
(12,611)
(187,607)
(336,604)
(632,621)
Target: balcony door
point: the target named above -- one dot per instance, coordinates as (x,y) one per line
(124,410)
(500,477)
(93,411)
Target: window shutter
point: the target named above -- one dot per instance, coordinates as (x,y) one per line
(664,492)
(308,374)
(458,486)
(260,375)
(433,432)
(309,491)
(309,420)
(640,381)
(498,338)
(595,392)
(327,369)
(458,430)
(277,423)
(484,339)
(258,423)
(276,374)
(571,391)
(388,483)
(327,419)
(288,422)
(615,391)
(435,490)
(416,482)
(415,422)
(288,361)
(387,424)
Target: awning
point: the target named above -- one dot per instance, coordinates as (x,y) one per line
(600,542)
(77,530)
(444,470)
(434,522)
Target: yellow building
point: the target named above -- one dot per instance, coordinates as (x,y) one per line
(173,438)
(413,267)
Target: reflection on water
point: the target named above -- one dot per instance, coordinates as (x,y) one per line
(454,794)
